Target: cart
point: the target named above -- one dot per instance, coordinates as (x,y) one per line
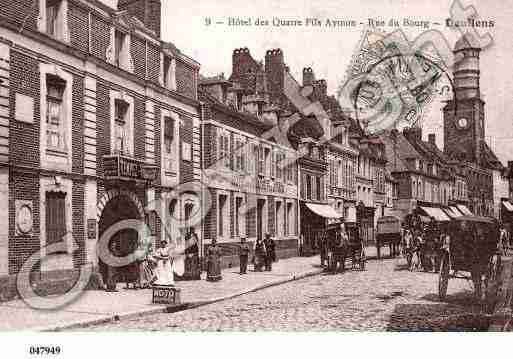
(472,248)
(388,232)
(339,252)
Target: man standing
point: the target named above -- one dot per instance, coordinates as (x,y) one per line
(270,252)
(243,255)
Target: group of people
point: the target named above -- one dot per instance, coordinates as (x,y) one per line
(181,261)
(421,244)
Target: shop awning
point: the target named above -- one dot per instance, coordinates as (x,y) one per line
(437,213)
(456,211)
(464,210)
(323,210)
(508,205)
(451,213)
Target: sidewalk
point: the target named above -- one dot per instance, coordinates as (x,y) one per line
(95,307)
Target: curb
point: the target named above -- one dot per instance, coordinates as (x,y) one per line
(108,318)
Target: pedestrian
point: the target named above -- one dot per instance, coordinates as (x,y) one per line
(270,254)
(164,271)
(192,267)
(324,249)
(243,255)
(214,262)
(259,255)
(146,276)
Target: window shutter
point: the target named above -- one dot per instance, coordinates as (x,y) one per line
(169,128)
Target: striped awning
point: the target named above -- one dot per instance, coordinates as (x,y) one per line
(456,211)
(437,213)
(463,209)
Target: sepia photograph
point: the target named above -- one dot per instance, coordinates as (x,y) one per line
(318,167)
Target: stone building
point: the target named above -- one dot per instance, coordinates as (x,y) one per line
(252,191)
(98,118)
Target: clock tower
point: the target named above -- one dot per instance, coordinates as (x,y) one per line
(464,114)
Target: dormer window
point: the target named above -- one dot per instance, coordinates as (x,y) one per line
(52,18)
(168,72)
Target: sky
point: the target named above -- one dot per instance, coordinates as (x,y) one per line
(329,50)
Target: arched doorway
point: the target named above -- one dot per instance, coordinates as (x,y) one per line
(119,206)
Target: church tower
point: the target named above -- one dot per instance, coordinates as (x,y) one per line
(464,130)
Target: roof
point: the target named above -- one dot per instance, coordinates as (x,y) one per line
(397,153)
(490,159)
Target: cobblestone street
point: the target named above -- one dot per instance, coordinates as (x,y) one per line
(385,297)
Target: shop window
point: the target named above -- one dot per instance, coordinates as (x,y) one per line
(121,130)
(55,217)
(55,130)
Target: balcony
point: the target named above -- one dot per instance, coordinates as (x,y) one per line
(124,168)
(267,185)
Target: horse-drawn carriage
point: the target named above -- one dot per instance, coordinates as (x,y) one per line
(472,248)
(388,232)
(341,249)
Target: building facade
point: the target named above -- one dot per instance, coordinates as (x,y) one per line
(252,180)
(98,119)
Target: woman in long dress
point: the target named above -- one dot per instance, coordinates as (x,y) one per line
(214,262)
(192,268)
(260,255)
(164,271)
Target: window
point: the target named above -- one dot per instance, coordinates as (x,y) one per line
(239,217)
(121,135)
(267,164)
(239,158)
(222,215)
(55,217)
(52,13)
(169,151)
(261,160)
(308,187)
(289,220)
(239,101)
(224,150)
(119,39)
(188,208)
(318,185)
(56,139)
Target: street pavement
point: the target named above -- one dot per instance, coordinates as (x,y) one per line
(97,306)
(384,297)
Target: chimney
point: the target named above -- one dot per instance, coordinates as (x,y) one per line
(148,11)
(275,73)
(432,139)
(308,76)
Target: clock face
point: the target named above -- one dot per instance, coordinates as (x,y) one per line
(25,219)
(462,123)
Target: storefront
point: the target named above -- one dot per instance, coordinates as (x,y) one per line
(315,218)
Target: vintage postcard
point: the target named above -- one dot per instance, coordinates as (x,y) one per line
(255,166)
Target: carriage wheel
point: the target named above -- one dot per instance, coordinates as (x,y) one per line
(443,277)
